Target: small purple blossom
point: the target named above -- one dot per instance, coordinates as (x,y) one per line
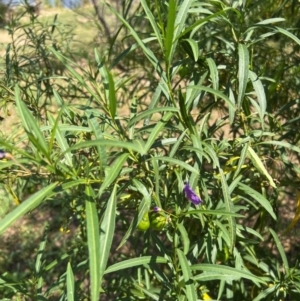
(2,154)
(191,194)
(156,209)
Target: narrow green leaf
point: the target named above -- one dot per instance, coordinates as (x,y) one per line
(107,230)
(283,144)
(219,212)
(202,21)
(157,184)
(258,197)
(229,206)
(186,118)
(112,96)
(180,23)
(114,172)
(151,112)
(157,130)
(67,63)
(259,165)
(154,101)
(147,51)
(214,92)
(61,140)
(143,208)
(243,72)
(93,241)
(147,292)
(193,96)
(288,34)
(133,113)
(214,76)
(101,149)
(187,276)
(176,162)
(67,128)
(260,93)
(30,124)
(112,143)
(170,30)
(40,253)
(184,237)
(126,264)
(231,110)
(70,283)
(26,206)
(152,21)
(143,190)
(192,44)
(242,159)
(281,250)
(177,144)
(128,50)
(213,276)
(271,21)
(266,293)
(226,270)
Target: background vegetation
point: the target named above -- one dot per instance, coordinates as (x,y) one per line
(106,136)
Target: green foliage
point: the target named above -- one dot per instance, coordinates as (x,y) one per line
(210,115)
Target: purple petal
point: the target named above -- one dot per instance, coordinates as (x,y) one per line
(156,209)
(191,195)
(2,154)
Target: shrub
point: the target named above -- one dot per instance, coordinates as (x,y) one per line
(178,198)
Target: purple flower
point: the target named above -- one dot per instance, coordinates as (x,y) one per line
(2,154)
(156,209)
(191,194)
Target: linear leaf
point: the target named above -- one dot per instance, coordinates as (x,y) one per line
(288,34)
(67,63)
(214,92)
(26,206)
(61,140)
(112,96)
(243,72)
(180,23)
(283,144)
(33,129)
(151,112)
(147,51)
(258,197)
(214,212)
(187,276)
(70,283)
(152,21)
(214,76)
(259,165)
(260,94)
(101,149)
(154,101)
(142,210)
(184,237)
(107,230)
(176,162)
(112,143)
(169,34)
(241,160)
(281,250)
(229,206)
(226,270)
(126,264)
(157,130)
(231,110)
(114,172)
(93,241)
